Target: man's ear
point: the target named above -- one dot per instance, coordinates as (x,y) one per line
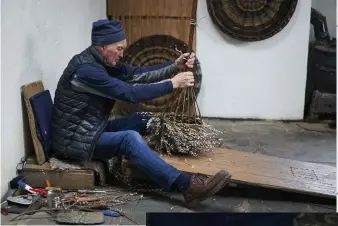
(99,48)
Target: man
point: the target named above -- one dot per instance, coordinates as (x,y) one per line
(85,96)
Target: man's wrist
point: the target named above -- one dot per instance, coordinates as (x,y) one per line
(174,83)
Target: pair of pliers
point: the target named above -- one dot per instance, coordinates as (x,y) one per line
(39,190)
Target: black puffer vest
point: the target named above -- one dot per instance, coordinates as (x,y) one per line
(78,118)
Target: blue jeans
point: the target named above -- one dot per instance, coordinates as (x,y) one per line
(122,137)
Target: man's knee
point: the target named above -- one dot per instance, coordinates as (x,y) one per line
(132,135)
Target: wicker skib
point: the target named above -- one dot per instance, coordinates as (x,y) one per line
(147,51)
(251,20)
(176,125)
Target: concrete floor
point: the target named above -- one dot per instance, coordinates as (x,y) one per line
(299,141)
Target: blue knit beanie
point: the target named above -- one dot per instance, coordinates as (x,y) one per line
(106,32)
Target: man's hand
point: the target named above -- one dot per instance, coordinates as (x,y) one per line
(189,63)
(183,79)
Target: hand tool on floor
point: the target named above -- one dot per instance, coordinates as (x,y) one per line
(30,189)
(110,213)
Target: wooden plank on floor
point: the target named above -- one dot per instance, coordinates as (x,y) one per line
(262,170)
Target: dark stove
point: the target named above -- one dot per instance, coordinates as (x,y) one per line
(320,96)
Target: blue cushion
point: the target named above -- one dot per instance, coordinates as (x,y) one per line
(42,106)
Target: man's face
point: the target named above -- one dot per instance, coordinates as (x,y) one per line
(112,53)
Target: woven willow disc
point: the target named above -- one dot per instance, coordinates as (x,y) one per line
(147,51)
(251,20)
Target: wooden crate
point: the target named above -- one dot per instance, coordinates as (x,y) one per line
(36,176)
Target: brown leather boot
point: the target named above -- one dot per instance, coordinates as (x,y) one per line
(202,187)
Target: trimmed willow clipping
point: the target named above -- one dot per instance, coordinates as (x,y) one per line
(172,137)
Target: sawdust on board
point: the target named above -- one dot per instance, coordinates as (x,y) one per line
(243,207)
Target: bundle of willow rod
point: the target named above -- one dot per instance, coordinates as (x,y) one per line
(171,135)
(182,130)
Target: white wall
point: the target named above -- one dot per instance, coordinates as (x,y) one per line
(262,80)
(38,39)
(328,9)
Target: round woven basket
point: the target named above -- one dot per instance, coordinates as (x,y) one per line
(251,20)
(147,51)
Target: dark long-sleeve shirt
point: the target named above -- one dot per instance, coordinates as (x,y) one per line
(126,72)
(111,82)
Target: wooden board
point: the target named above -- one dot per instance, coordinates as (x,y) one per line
(136,28)
(29,90)
(261,170)
(149,8)
(152,17)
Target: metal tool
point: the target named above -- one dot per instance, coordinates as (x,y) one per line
(110,213)
(90,191)
(19,200)
(53,199)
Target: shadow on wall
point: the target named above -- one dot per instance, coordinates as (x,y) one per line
(28,143)
(32,67)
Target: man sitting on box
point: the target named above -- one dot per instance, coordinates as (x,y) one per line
(85,96)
